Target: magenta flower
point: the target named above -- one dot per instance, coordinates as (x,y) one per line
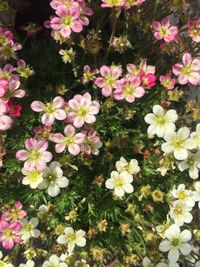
(189,71)
(129,89)
(167,81)
(67,21)
(83,109)
(112,3)
(15,214)
(194,29)
(9,233)
(163,30)
(71,140)
(109,79)
(147,80)
(53,110)
(36,155)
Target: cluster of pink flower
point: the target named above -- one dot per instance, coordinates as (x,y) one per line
(7,45)
(71,16)
(129,87)
(77,111)
(11,226)
(188,73)
(122,3)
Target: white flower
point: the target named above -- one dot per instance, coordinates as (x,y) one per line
(147,262)
(65,255)
(28,229)
(72,238)
(196,193)
(183,195)
(54,261)
(120,182)
(168,264)
(178,143)
(192,163)
(176,243)
(42,211)
(196,136)
(161,122)
(32,178)
(180,213)
(81,263)
(29,263)
(54,179)
(4,264)
(131,167)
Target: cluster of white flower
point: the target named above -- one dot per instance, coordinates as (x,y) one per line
(183,147)
(120,180)
(182,144)
(51,179)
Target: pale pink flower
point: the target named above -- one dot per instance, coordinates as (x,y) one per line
(6,122)
(83,109)
(71,140)
(14,90)
(9,233)
(112,3)
(7,73)
(14,214)
(194,29)
(88,74)
(167,81)
(67,21)
(164,31)
(129,89)
(53,110)
(92,142)
(36,155)
(84,12)
(109,79)
(189,71)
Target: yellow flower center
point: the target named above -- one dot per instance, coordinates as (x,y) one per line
(72,237)
(178,143)
(82,112)
(69,140)
(8,233)
(34,176)
(186,70)
(163,31)
(161,119)
(178,210)
(34,154)
(114,2)
(129,89)
(49,108)
(27,227)
(175,242)
(182,195)
(110,80)
(67,21)
(119,182)
(2,264)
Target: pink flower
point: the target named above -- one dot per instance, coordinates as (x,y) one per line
(84,12)
(83,109)
(7,73)
(189,71)
(129,89)
(112,3)
(52,110)
(88,74)
(36,155)
(67,21)
(143,69)
(109,79)
(167,81)
(15,214)
(9,233)
(163,30)
(91,143)
(3,87)
(194,29)
(71,140)
(14,91)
